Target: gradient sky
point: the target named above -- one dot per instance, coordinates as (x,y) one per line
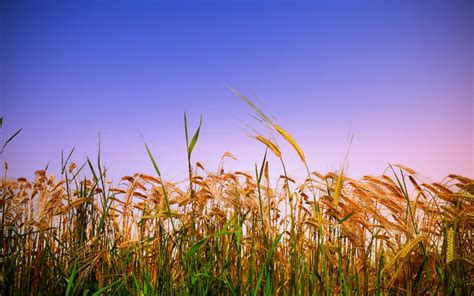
(398,74)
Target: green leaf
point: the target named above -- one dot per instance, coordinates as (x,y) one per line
(345,217)
(194,139)
(199,243)
(262,167)
(269,255)
(136,284)
(11,138)
(152,160)
(92,169)
(70,281)
(67,159)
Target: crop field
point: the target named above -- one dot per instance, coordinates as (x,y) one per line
(235,232)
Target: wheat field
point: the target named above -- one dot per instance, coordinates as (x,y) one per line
(236,233)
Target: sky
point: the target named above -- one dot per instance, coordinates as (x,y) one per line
(398,75)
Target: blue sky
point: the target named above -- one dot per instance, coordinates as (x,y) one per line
(399,74)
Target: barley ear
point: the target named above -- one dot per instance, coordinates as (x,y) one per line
(450,249)
(338,189)
(272,146)
(290,140)
(405,250)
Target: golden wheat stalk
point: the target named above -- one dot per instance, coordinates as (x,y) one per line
(407,248)
(290,140)
(272,146)
(268,121)
(338,189)
(450,249)
(127,243)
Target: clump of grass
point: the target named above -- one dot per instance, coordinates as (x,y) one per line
(235,232)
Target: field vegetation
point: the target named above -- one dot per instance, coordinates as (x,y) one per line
(235,233)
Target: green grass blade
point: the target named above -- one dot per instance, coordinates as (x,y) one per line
(194,138)
(70,281)
(9,139)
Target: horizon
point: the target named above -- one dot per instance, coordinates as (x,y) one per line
(399,76)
